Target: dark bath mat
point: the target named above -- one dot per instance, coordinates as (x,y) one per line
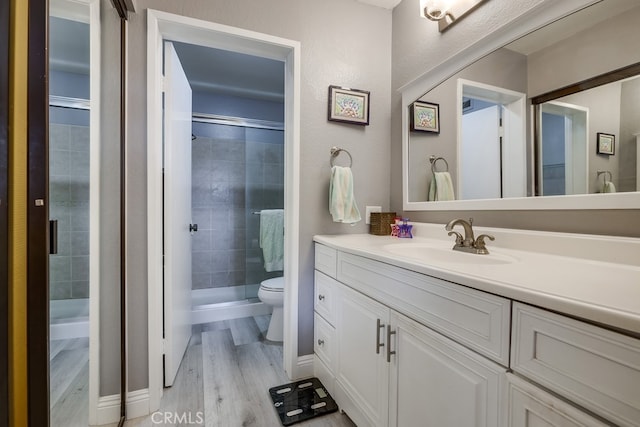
(301,400)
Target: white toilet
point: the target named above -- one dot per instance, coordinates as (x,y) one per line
(271,292)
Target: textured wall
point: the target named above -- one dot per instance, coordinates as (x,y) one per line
(419,47)
(344,43)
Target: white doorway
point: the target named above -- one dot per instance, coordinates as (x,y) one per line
(564,158)
(491,142)
(165,26)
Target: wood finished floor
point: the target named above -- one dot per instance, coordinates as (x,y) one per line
(226,375)
(69,382)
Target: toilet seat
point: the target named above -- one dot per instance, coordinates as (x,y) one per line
(273,285)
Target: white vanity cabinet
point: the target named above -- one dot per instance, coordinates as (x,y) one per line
(362,374)
(390,370)
(437,382)
(530,406)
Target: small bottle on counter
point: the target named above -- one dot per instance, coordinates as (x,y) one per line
(395,227)
(404,230)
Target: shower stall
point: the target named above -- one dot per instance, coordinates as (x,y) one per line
(237,171)
(69,211)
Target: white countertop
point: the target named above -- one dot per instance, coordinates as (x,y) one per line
(605,291)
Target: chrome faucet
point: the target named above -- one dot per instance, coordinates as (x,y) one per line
(468,243)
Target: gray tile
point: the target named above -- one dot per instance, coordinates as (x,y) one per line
(79,216)
(64,242)
(79,137)
(201,262)
(58,137)
(202,217)
(79,164)
(59,164)
(220,217)
(79,189)
(59,190)
(59,290)
(237,259)
(201,281)
(220,261)
(222,279)
(201,240)
(231,150)
(80,289)
(60,268)
(274,174)
(274,153)
(254,173)
(79,243)
(79,268)
(255,152)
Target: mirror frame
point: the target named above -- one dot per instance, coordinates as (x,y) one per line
(544,13)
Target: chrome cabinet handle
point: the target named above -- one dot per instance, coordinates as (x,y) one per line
(320,342)
(389,352)
(320,297)
(379,325)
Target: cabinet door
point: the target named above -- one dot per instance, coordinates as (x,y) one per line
(530,406)
(362,378)
(436,382)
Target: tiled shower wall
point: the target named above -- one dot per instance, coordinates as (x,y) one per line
(69,204)
(235,171)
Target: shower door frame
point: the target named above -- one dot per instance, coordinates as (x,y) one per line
(164,25)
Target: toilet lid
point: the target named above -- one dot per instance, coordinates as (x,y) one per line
(275,284)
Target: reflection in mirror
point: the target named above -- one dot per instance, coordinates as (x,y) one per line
(571,160)
(561,157)
(73,213)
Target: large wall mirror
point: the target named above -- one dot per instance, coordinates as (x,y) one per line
(541,114)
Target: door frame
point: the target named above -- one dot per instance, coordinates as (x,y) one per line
(5,8)
(164,25)
(573,143)
(513,158)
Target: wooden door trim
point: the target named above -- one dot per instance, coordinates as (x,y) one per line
(37,214)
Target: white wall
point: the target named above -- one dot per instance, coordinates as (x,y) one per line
(345,43)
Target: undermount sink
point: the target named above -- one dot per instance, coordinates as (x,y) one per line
(426,253)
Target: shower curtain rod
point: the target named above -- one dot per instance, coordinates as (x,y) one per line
(236,121)
(68,102)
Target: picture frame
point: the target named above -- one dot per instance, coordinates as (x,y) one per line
(348,105)
(606,143)
(425,117)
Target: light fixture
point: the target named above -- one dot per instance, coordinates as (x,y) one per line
(446,12)
(435,10)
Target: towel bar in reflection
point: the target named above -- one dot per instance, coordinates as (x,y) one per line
(433,160)
(335,152)
(601,172)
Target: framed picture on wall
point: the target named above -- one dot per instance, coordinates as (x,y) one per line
(348,105)
(606,143)
(425,117)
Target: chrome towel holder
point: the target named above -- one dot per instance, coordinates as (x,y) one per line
(605,172)
(335,152)
(433,160)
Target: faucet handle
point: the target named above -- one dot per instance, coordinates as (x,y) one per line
(479,244)
(459,238)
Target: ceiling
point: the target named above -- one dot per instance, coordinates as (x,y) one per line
(387,4)
(69,45)
(232,73)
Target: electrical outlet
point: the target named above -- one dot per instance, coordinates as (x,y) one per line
(368,210)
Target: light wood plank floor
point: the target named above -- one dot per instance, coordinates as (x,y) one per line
(69,382)
(225,376)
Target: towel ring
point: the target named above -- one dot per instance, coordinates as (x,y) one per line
(600,172)
(433,160)
(335,152)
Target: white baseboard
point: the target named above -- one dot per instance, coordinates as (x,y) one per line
(217,312)
(304,368)
(138,403)
(108,409)
(109,406)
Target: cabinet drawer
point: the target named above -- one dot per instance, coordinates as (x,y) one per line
(476,319)
(325,259)
(324,296)
(593,367)
(530,406)
(324,345)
